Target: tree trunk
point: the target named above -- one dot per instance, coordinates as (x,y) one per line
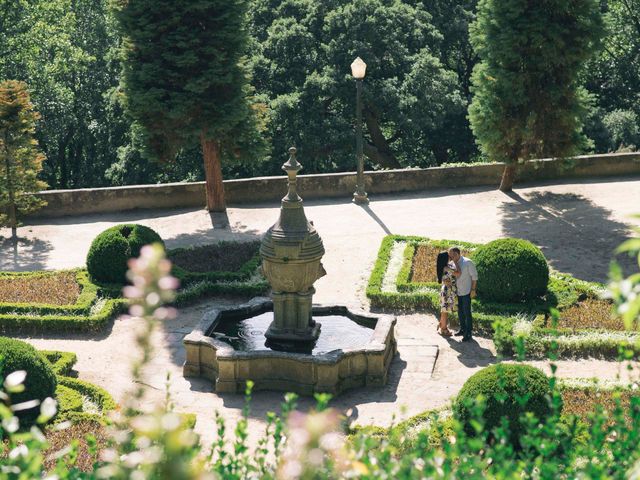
(379,152)
(508,176)
(213,174)
(13,217)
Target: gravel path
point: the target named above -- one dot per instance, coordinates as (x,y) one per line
(576,224)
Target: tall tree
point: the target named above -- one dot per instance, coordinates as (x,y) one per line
(413,106)
(60,48)
(20,158)
(527,100)
(184,80)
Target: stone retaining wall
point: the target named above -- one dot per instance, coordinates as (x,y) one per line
(272,189)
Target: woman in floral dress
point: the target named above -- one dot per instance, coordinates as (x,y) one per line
(448,292)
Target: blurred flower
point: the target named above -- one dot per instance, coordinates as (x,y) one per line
(14,381)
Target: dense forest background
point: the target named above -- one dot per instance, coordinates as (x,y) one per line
(416,95)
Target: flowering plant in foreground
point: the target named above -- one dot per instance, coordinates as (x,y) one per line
(159,445)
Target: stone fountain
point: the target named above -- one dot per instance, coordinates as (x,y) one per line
(287,343)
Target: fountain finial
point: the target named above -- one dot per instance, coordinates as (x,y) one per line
(292,167)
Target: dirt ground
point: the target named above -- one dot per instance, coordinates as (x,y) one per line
(577,225)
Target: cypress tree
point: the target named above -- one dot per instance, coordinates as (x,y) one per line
(183,78)
(528,102)
(20,158)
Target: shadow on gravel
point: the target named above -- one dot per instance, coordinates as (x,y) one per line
(28,254)
(576,235)
(472,354)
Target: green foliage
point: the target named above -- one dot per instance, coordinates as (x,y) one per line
(613,76)
(61,322)
(623,129)
(41,380)
(20,158)
(507,391)
(111,250)
(301,61)
(511,270)
(61,362)
(527,101)
(61,49)
(183,84)
(626,291)
(69,400)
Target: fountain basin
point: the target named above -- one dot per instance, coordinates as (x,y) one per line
(362,360)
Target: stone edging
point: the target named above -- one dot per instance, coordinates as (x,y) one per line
(272,189)
(331,372)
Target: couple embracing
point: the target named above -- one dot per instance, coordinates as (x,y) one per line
(459,277)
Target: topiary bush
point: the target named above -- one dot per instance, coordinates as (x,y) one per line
(110,251)
(40,382)
(511,270)
(508,391)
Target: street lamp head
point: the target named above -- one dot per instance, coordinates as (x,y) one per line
(358,69)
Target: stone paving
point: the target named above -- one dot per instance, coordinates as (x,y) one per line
(577,224)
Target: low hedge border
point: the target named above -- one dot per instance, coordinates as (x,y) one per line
(61,362)
(71,391)
(82,317)
(35,324)
(86,299)
(539,342)
(499,320)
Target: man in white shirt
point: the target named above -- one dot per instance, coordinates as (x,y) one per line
(466,283)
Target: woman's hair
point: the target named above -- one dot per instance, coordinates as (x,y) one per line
(441,262)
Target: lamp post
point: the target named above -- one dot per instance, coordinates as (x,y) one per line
(358,69)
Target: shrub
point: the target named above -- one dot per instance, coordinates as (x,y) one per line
(508,391)
(41,380)
(110,251)
(623,129)
(511,270)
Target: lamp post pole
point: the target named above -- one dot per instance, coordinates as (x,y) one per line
(359,196)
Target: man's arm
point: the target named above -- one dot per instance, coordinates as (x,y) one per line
(474,278)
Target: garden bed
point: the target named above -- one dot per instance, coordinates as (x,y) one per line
(55,288)
(68,301)
(402,279)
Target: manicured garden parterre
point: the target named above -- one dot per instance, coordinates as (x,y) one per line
(78,301)
(403,278)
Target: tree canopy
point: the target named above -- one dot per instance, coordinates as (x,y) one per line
(20,158)
(528,102)
(298,86)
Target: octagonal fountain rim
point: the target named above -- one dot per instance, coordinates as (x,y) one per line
(376,344)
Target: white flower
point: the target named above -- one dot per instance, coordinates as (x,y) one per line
(19,451)
(37,434)
(11,425)
(25,405)
(48,409)
(14,381)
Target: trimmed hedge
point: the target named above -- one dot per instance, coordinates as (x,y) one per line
(111,250)
(509,391)
(512,270)
(70,391)
(40,382)
(69,400)
(61,362)
(500,319)
(539,342)
(35,324)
